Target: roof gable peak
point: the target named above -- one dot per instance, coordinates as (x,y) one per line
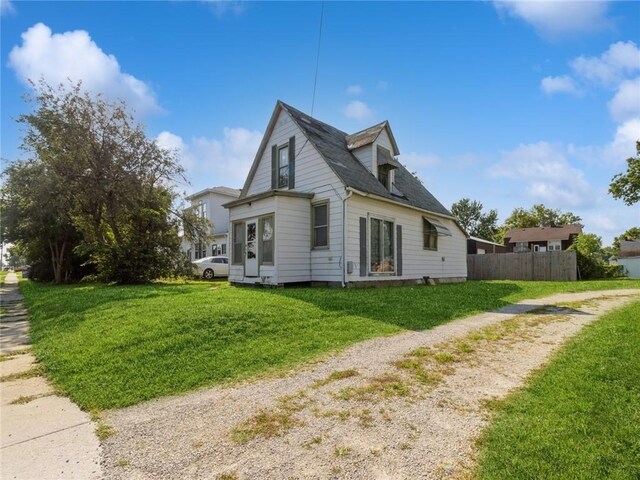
(370,135)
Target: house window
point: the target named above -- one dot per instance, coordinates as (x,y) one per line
(266,240)
(521,247)
(201,210)
(238,243)
(382,246)
(430,235)
(214,249)
(283,167)
(320,214)
(384,175)
(223,249)
(554,245)
(200,250)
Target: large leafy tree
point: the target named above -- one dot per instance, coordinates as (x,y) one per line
(590,255)
(36,217)
(626,186)
(539,216)
(105,190)
(477,223)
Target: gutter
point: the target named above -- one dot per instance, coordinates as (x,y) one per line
(400,204)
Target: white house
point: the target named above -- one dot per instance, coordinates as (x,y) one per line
(322,206)
(208,204)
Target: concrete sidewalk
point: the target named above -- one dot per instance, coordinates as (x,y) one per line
(42,435)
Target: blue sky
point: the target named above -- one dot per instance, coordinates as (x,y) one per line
(509,103)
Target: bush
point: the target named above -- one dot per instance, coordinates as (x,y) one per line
(612,271)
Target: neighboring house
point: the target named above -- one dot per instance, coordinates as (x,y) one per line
(208,204)
(322,206)
(477,245)
(541,239)
(629,257)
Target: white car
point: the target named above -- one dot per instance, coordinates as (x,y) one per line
(211,267)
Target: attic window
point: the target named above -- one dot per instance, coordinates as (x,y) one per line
(386,163)
(283,166)
(384,174)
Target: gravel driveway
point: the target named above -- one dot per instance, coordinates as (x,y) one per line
(406,406)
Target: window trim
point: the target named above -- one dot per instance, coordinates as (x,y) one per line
(280,167)
(394,247)
(234,260)
(313,227)
(261,220)
(434,232)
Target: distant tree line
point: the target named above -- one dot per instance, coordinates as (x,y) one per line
(95,197)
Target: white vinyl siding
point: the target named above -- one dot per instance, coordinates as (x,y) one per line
(416,262)
(313,175)
(293,235)
(365,155)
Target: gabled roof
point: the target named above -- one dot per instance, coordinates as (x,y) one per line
(369,135)
(541,234)
(229,192)
(331,144)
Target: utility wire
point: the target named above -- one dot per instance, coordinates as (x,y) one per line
(315,80)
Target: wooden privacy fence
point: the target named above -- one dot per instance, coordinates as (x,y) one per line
(558,266)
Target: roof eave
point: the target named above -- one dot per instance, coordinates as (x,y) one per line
(268,194)
(413,207)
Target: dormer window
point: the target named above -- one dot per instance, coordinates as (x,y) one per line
(386,163)
(384,175)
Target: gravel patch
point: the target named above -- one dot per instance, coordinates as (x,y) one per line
(375,421)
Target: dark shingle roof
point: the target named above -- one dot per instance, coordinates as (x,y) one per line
(541,234)
(331,143)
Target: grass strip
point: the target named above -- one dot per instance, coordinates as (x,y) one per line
(580,416)
(109,346)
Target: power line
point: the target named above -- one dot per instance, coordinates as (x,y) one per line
(315,80)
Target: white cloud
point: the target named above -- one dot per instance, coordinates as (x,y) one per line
(561,84)
(382,85)
(222,7)
(74,55)
(548,175)
(602,222)
(621,60)
(355,90)
(212,161)
(6,7)
(625,105)
(623,144)
(553,18)
(358,110)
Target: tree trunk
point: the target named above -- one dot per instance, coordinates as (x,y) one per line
(57,259)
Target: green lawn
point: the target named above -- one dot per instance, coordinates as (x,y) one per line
(112,346)
(580,416)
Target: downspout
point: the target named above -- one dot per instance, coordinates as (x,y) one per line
(344,237)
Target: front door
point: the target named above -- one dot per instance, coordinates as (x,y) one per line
(251,259)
